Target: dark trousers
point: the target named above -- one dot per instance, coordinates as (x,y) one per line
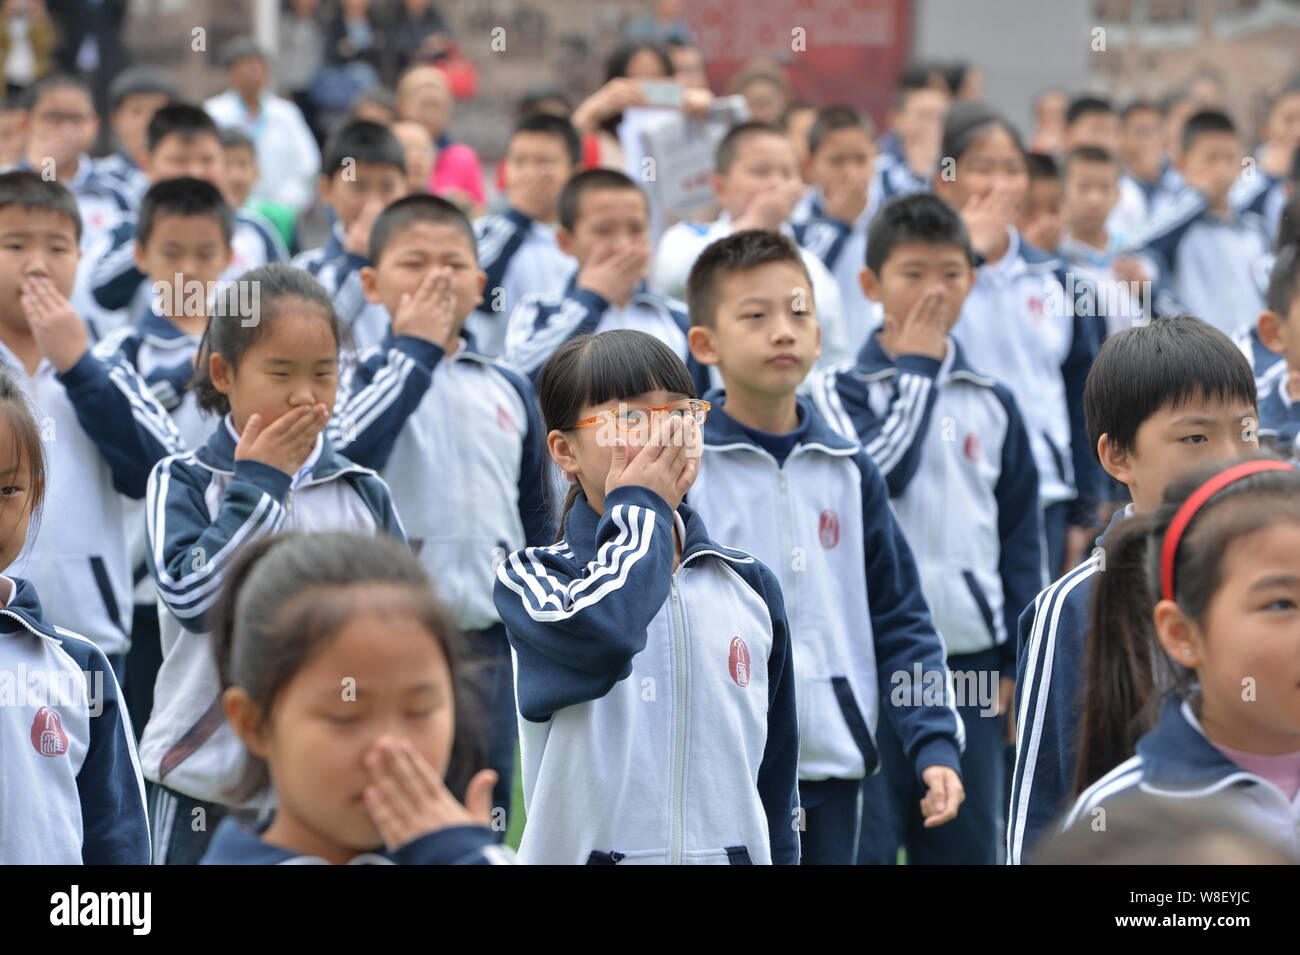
(1055,520)
(142,663)
(489,652)
(832,809)
(181,827)
(891,799)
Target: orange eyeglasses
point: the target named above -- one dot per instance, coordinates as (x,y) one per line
(637,418)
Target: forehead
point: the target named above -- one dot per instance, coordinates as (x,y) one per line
(1215,139)
(611,201)
(1091,169)
(926,253)
(993,143)
(432,237)
(771,280)
(530,139)
(297,325)
(191,141)
(655,399)
(1199,407)
(846,137)
(16,218)
(62,97)
(180,228)
(764,146)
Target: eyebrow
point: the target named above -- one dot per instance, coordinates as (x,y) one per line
(1276,580)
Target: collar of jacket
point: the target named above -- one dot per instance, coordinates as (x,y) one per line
(874,362)
(160,330)
(580,534)
(467,353)
(1177,756)
(722,432)
(218,454)
(27,605)
(1115,519)
(641,294)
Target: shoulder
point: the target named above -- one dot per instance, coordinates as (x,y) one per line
(1067,597)
(1125,776)
(121,342)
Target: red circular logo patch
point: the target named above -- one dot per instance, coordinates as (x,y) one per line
(47,733)
(738,662)
(828,529)
(972,447)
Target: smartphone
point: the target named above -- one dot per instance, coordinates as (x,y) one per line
(662,93)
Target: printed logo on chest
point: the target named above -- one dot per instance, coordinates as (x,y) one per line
(738,662)
(828,529)
(47,733)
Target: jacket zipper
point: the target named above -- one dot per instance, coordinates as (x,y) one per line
(678,626)
(787,546)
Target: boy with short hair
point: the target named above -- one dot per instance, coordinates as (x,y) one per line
(457,435)
(1149,182)
(910,150)
(831,218)
(1092,121)
(1279,331)
(133,97)
(1040,221)
(605,227)
(832,539)
(182,141)
(1161,400)
(239,172)
(1202,252)
(519,249)
(363,170)
(757,183)
(13,130)
(956,457)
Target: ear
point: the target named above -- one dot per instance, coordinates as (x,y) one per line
(482,284)
(139,258)
(700,340)
(246,719)
(564,239)
(870,283)
(370,283)
(1114,462)
(719,183)
(326,183)
(227,256)
(563,453)
(222,375)
(1270,331)
(1179,636)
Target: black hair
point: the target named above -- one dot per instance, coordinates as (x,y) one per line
(362,141)
(1127,674)
(1139,106)
(919,217)
(1089,154)
(1163,364)
(232,137)
(57,81)
(238,48)
(239,319)
(18,415)
(1082,106)
(1284,279)
(587,181)
(380,96)
(138,81)
(737,252)
(288,595)
(30,191)
(184,196)
(545,124)
(968,122)
(1288,224)
(593,369)
(831,118)
(401,214)
(180,119)
(13,103)
(915,77)
(1041,166)
(954,74)
(535,96)
(616,67)
(730,144)
(1206,121)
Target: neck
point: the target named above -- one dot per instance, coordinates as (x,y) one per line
(1000,249)
(189,324)
(22,344)
(775,414)
(251,100)
(1097,237)
(287,832)
(1219,206)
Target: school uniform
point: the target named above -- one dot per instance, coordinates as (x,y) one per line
(1020,325)
(1204,263)
(462,445)
(117,283)
(339,273)
(521,258)
(1051,638)
(542,323)
(103,431)
(203,506)
(238,844)
(955,455)
(892,176)
(1141,200)
(125,176)
(1123,302)
(1263,194)
(1279,416)
(842,247)
(857,615)
(1262,359)
(1176,760)
(71,786)
(657,717)
(682,244)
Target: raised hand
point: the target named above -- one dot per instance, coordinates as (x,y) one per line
(286,442)
(407,799)
(58,330)
(430,312)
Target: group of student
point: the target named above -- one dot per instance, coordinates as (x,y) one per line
(761,576)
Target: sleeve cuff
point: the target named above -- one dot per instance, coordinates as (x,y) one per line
(445,846)
(422,350)
(938,752)
(919,365)
(639,496)
(594,302)
(87,369)
(264,477)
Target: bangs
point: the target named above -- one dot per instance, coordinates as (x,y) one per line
(618,365)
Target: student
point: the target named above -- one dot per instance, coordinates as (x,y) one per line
(182,141)
(1150,182)
(106,429)
(1201,251)
(605,227)
(239,172)
(1090,191)
(297,612)
(832,216)
(952,447)
(519,249)
(364,169)
(1200,596)
(74,795)
(756,181)
(1271,181)
(456,434)
(909,153)
(1092,121)
(420,152)
(133,97)
(1018,323)
(266,467)
(857,616)
(1279,331)
(13,130)
(1161,399)
(1040,221)
(656,697)
(424,96)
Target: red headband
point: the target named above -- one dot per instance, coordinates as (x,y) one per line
(1184,515)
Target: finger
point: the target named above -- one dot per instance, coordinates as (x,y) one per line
(252,428)
(478,795)
(618,458)
(690,470)
(382,815)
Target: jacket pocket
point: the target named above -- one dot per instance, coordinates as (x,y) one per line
(738,855)
(104,585)
(1057,458)
(982,603)
(604,858)
(857,725)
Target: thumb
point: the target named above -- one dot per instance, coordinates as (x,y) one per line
(617,459)
(478,795)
